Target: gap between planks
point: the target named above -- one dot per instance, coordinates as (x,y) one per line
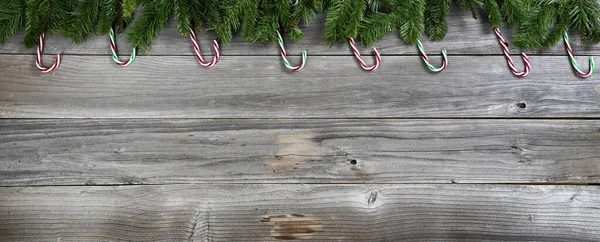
(550,184)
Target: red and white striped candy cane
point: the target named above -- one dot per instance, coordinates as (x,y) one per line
(38,60)
(360,60)
(199,54)
(511,64)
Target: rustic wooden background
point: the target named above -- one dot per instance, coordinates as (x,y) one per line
(166,150)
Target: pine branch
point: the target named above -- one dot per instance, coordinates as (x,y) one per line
(153,17)
(128,8)
(540,24)
(107,15)
(282,11)
(298,11)
(585,16)
(183,15)
(471,5)
(81,20)
(560,26)
(494,14)
(12,16)
(515,12)
(250,18)
(43,16)
(266,24)
(436,15)
(34,21)
(343,19)
(547,22)
(376,26)
(203,11)
(532,33)
(231,21)
(412,18)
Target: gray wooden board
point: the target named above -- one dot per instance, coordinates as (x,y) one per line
(465,36)
(146,151)
(245,179)
(260,87)
(213,212)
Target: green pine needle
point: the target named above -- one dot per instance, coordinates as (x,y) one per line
(12,16)
(436,15)
(182,15)
(343,19)
(153,17)
(539,24)
(412,19)
(80,21)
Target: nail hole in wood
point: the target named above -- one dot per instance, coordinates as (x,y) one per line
(353,161)
(521,105)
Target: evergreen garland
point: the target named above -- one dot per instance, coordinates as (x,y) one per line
(548,20)
(436,24)
(539,24)
(45,16)
(153,17)
(115,14)
(80,20)
(12,13)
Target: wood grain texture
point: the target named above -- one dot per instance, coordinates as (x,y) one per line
(102,152)
(465,36)
(192,178)
(259,87)
(303,212)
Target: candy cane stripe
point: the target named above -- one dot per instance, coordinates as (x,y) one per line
(199,53)
(359,58)
(284,55)
(574,62)
(511,64)
(113,49)
(38,59)
(428,62)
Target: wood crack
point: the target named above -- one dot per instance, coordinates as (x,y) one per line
(194,226)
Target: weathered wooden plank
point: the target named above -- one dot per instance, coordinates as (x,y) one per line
(78,152)
(465,36)
(260,87)
(304,212)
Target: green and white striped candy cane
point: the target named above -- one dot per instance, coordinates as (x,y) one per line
(428,63)
(113,48)
(284,55)
(574,62)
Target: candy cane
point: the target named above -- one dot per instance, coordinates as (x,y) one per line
(199,54)
(511,64)
(284,55)
(574,62)
(113,48)
(428,63)
(360,60)
(38,60)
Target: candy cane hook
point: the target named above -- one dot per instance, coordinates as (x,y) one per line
(428,63)
(38,60)
(511,64)
(113,49)
(360,60)
(574,62)
(199,54)
(284,55)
